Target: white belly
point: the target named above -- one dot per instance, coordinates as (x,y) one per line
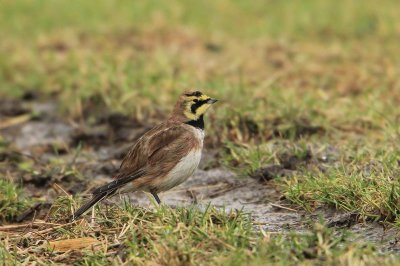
(182,171)
(185,167)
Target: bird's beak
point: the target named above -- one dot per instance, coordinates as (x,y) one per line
(212,101)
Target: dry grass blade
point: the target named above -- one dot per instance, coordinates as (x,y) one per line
(13,121)
(32,225)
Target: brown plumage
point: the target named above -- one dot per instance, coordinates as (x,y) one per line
(164,156)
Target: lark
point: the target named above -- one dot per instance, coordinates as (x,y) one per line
(165,156)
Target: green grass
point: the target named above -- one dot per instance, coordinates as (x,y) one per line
(12,200)
(187,236)
(366,183)
(5,257)
(240,18)
(360,178)
(87,59)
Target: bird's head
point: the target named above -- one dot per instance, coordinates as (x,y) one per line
(191,105)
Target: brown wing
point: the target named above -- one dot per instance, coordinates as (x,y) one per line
(158,150)
(168,144)
(137,156)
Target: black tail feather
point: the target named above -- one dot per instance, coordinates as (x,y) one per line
(105,191)
(119,182)
(88,205)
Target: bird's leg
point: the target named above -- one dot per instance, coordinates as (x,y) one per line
(156,197)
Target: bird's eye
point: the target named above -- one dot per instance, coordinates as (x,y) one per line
(195,100)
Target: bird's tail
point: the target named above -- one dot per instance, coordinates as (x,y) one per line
(95,198)
(107,190)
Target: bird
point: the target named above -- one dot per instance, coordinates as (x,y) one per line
(163,157)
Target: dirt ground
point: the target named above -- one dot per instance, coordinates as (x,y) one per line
(42,147)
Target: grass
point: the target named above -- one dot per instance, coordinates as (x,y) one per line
(310,85)
(184,236)
(360,178)
(12,201)
(365,184)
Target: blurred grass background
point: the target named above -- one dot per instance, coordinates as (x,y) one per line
(84,48)
(244,19)
(333,63)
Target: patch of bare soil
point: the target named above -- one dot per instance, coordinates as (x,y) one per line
(46,141)
(222,188)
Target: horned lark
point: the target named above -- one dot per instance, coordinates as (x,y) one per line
(164,156)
